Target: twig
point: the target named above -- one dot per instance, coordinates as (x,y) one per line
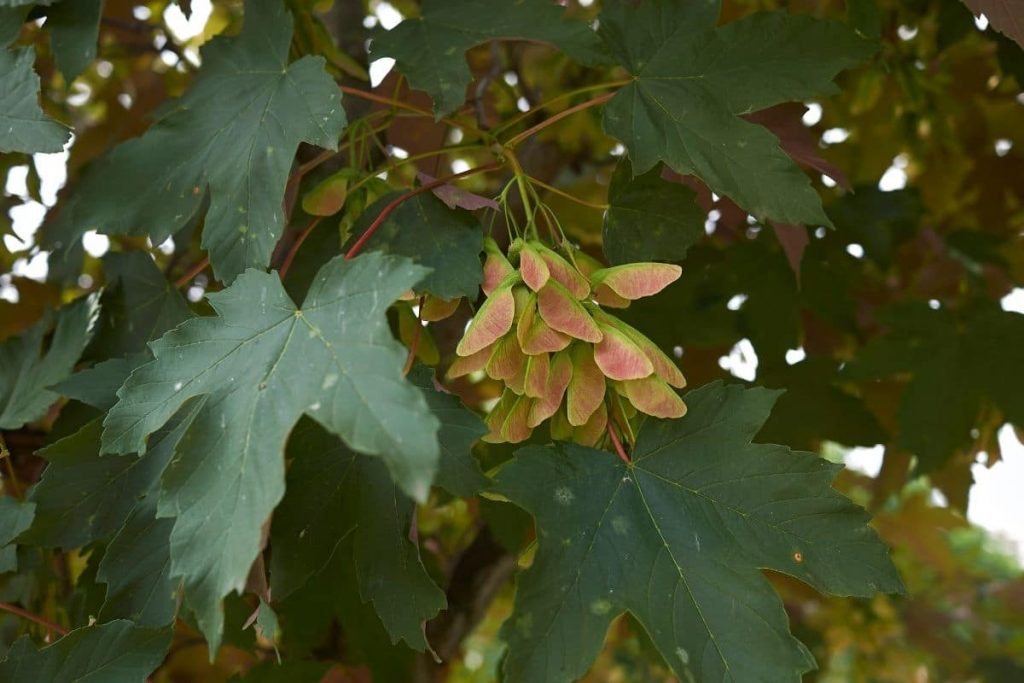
(296,244)
(398,201)
(565,195)
(373,97)
(42,621)
(600,99)
(614,436)
(193,271)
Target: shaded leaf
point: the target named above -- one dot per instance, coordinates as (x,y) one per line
(448,241)
(336,494)
(15,517)
(429,50)
(136,567)
(74,27)
(28,366)
(118,652)
(649,219)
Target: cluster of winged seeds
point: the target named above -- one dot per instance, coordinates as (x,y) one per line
(544,332)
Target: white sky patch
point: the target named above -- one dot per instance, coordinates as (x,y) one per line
(834,136)
(981,21)
(855,250)
(866,460)
(995,501)
(387,15)
(893,179)
(1003,147)
(826,181)
(794,356)
(184,29)
(460,166)
(95,244)
(813,114)
(907,32)
(1014,301)
(741,361)
(736,302)
(34,268)
(379,70)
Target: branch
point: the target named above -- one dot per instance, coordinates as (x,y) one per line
(42,621)
(600,99)
(398,201)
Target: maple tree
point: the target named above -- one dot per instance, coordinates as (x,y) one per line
(427,377)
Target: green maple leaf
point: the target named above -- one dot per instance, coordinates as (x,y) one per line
(259,365)
(448,241)
(74,27)
(676,538)
(234,132)
(957,366)
(692,82)
(27,370)
(648,218)
(15,517)
(136,567)
(116,652)
(430,49)
(23,125)
(83,497)
(337,494)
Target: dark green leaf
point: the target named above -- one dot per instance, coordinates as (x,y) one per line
(15,517)
(83,497)
(448,241)
(334,494)
(23,125)
(245,115)
(74,27)
(692,83)
(137,570)
(27,370)
(648,218)
(677,538)
(137,306)
(262,363)
(458,472)
(118,652)
(430,50)
(957,366)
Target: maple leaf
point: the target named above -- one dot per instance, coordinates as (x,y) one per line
(430,49)
(424,229)
(258,366)
(649,219)
(245,114)
(336,493)
(15,517)
(74,27)
(692,82)
(116,652)
(676,537)
(23,125)
(27,370)
(957,364)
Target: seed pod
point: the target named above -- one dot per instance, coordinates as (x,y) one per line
(636,280)
(564,313)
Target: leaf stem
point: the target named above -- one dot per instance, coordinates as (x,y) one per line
(42,621)
(529,132)
(398,104)
(614,436)
(398,201)
(192,272)
(564,96)
(565,195)
(296,244)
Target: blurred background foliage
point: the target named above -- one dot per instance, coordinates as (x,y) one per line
(887,333)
